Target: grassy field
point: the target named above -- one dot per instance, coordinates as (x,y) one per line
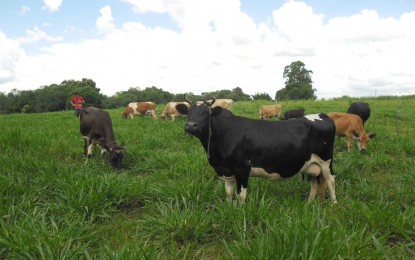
(165,204)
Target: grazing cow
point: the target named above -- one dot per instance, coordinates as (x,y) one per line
(239,147)
(361,109)
(96,128)
(221,102)
(170,110)
(269,111)
(293,113)
(140,109)
(351,126)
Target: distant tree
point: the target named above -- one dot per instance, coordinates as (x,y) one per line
(3,105)
(261,96)
(87,89)
(236,94)
(298,84)
(239,95)
(157,95)
(180,97)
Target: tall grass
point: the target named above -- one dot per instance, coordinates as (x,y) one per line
(167,204)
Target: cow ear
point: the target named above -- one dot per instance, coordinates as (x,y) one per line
(182,109)
(216,111)
(372,135)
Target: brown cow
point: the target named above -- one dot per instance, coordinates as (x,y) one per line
(140,109)
(270,111)
(96,128)
(351,126)
(170,110)
(220,102)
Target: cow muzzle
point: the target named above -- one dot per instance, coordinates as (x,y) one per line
(191,127)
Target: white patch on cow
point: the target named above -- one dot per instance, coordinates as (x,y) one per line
(90,148)
(261,173)
(313,117)
(313,166)
(224,178)
(242,195)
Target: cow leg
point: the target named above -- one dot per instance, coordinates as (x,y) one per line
(103,151)
(90,148)
(314,188)
(329,179)
(349,142)
(242,183)
(85,146)
(172,117)
(322,187)
(153,114)
(229,186)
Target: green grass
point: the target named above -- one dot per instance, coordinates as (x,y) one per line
(165,204)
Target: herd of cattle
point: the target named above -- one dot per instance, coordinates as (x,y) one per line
(239,147)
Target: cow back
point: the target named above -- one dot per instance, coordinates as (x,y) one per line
(361,109)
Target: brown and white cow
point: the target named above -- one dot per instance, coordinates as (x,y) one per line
(270,111)
(351,126)
(140,109)
(171,111)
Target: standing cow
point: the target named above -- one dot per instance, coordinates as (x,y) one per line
(96,128)
(270,111)
(361,109)
(293,113)
(351,126)
(140,109)
(171,111)
(239,147)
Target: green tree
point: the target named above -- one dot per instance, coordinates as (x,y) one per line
(235,94)
(298,83)
(86,88)
(261,96)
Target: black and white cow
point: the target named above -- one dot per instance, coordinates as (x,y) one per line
(239,147)
(361,109)
(96,128)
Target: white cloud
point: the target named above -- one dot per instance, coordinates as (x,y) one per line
(36,34)
(143,6)
(220,47)
(24,10)
(52,5)
(105,23)
(10,53)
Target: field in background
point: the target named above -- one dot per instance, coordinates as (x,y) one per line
(166,205)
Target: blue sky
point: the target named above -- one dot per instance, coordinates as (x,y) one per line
(355,48)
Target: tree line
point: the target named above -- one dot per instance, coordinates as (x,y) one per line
(56,97)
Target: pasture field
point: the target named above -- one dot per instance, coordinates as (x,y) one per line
(166,205)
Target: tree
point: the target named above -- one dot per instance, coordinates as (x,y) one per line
(298,84)
(261,96)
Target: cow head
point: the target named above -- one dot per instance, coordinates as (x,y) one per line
(362,139)
(198,116)
(115,156)
(163,115)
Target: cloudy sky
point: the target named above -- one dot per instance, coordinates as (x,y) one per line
(354,47)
